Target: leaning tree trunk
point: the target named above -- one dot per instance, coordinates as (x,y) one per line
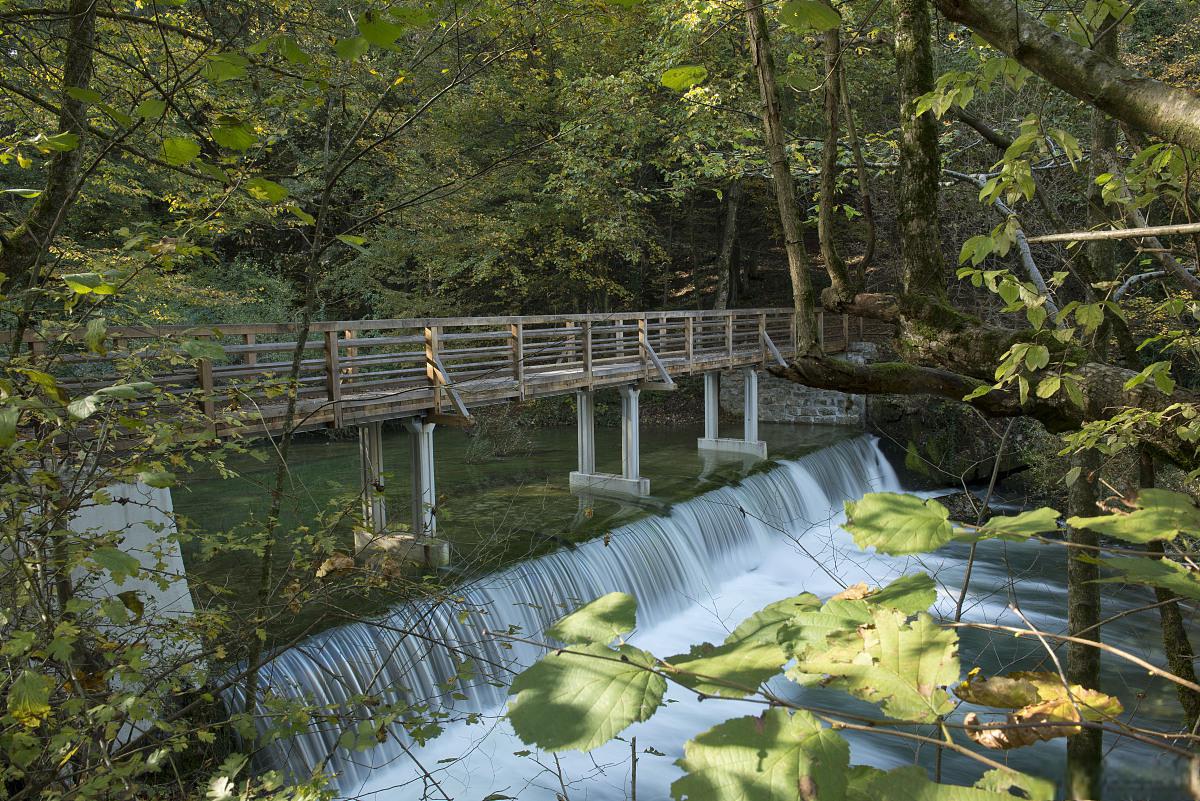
(840,290)
(864,184)
(785,189)
(733,201)
(1177,645)
(1084,750)
(23,247)
(919,170)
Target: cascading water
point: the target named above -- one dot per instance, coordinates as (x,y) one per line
(696,573)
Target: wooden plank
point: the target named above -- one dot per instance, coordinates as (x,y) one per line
(431,365)
(333,376)
(517,332)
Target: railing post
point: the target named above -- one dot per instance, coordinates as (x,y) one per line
(517,333)
(846,330)
(587,351)
(204,373)
(689,340)
(643,342)
(762,336)
(821,330)
(251,357)
(431,369)
(333,377)
(729,335)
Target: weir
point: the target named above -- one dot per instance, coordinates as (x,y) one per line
(666,561)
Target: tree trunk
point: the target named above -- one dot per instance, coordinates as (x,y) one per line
(1176,644)
(864,186)
(1155,107)
(733,200)
(1084,750)
(22,248)
(840,290)
(919,170)
(785,189)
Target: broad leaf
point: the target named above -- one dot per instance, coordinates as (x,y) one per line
(1026,524)
(581,699)
(898,524)
(900,665)
(910,594)
(117,562)
(763,626)
(806,15)
(601,621)
(1162,573)
(683,78)
(712,669)
(265,190)
(235,136)
(775,756)
(179,150)
(1160,515)
(913,784)
(29,698)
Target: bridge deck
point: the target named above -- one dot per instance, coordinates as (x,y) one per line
(367,370)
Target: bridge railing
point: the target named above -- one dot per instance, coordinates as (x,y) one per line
(364,370)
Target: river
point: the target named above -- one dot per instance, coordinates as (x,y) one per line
(716,544)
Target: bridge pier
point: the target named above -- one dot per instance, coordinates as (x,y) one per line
(424,493)
(749,444)
(419,544)
(630,482)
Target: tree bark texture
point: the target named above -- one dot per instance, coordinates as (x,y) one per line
(864,185)
(840,290)
(22,248)
(920,234)
(1085,749)
(724,266)
(785,189)
(1153,106)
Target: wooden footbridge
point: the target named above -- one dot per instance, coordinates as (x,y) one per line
(435,371)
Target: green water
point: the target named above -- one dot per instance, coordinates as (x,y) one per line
(492,509)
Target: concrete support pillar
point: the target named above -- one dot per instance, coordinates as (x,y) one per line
(424,490)
(585,404)
(750,405)
(750,445)
(370,457)
(586,479)
(631,441)
(712,404)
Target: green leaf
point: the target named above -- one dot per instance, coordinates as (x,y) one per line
(900,665)
(683,78)
(179,150)
(29,698)
(809,14)
(1012,784)
(57,143)
(302,215)
(1026,524)
(202,348)
(379,32)
(224,67)
(581,699)
(1037,357)
(292,51)
(9,415)
(898,524)
(117,562)
(1160,515)
(97,330)
(763,626)
(161,479)
(913,784)
(1162,573)
(711,669)
(88,283)
(1048,386)
(775,756)
(151,109)
(353,241)
(265,190)
(235,136)
(351,49)
(85,95)
(910,594)
(601,621)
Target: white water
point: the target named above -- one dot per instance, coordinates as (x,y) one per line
(696,573)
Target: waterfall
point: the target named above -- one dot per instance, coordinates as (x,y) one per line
(666,561)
